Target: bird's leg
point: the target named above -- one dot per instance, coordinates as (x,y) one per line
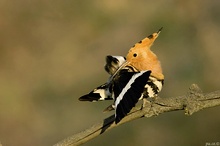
(153,99)
(145,102)
(151,102)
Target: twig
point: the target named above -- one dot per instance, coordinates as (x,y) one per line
(192,102)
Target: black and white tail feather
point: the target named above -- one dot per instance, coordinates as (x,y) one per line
(125,86)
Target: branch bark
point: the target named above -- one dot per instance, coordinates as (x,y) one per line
(192,102)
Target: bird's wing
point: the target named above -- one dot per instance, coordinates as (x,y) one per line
(100,93)
(127,89)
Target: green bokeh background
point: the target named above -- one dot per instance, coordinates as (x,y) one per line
(52,52)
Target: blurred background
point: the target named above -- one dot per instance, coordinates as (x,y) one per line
(52,52)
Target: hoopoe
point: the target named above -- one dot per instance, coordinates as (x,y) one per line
(136,77)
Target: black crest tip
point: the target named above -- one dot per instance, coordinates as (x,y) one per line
(159,30)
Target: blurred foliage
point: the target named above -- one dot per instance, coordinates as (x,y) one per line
(52,52)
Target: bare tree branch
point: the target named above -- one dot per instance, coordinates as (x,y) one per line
(192,102)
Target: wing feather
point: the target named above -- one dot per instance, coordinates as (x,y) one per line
(127,89)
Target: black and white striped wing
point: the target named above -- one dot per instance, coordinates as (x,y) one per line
(100,93)
(127,89)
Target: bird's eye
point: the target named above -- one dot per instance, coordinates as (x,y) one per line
(135,55)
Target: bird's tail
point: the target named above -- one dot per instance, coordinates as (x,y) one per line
(98,94)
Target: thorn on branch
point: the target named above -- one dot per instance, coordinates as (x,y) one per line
(193,101)
(195,90)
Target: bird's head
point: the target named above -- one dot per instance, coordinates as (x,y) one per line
(142,58)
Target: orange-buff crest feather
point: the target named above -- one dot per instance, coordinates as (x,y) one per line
(142,58)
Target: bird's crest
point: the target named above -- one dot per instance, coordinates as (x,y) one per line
(148,41)
(141,57)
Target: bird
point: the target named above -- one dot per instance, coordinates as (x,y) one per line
(138,76)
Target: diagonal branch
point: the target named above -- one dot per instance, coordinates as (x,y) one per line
(192,102)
